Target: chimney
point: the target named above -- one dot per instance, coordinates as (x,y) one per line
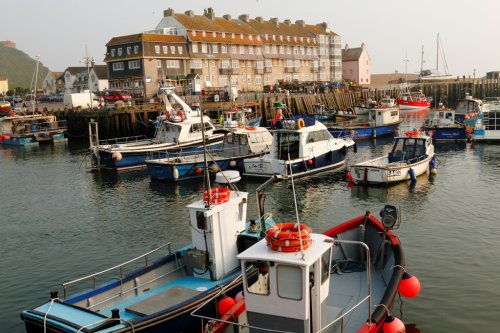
(259,19)
(189,13)
(168,12)
(363,46)
(209,13)
(245,18)
(287,22)
(346,47)
(275,21)
(300,23)
(227,17)
(323,26)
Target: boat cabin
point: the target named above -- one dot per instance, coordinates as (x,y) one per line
(383,116)
(411,148)
(441,117)
(288,291)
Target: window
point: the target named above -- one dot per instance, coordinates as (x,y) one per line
(223,80)
(165,49)
(224,63)
(193,32)
(223,48)
(157,49)
(258,79)
(234,80)
(179,49)
(215,48)
(268,63)
(173,64)
(260,284)
(203,33)
(250,37)
(242,49)
(214,34)
(172,49)
(118,66)
(223,35)
(282,49)
(195,47)
(134,64)
(233,49)
(129,50)
(136,49)
(113,52)
(259,64)
(289,281)
(158,63)
(250,49)
(196,63)
(241,36)
(232,35)
(119,51)
(204,48)
(235,64)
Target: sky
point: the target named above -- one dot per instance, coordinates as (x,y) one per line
(63,32)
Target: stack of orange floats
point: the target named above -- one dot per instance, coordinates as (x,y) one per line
(288,237)
(217,195)
(412,134)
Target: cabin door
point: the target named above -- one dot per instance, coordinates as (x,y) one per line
(319,286)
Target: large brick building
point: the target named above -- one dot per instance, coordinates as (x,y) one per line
(205,51)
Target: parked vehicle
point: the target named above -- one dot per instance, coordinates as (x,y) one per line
(57,97)
(80,100)
(112,96)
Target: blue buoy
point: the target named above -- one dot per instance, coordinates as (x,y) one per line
(411,172)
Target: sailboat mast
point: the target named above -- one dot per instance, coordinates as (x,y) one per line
(437,53)
(33,102)
(422,60)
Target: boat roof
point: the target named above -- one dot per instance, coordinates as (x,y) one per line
(260,251)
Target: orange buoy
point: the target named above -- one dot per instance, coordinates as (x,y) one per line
(224,305)
(409,286)
(393,325)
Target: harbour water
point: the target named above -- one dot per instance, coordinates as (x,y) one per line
(58,222)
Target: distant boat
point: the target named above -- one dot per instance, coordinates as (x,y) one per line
(413,100)
(487,127)
(381,121)
(238,116)
(435,74)
(322,113)
(468,109)
(363,108)
(411,156)
(19,130)
(442,126)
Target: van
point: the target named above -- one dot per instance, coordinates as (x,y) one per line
(80,101)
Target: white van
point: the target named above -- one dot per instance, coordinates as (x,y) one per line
(80,100)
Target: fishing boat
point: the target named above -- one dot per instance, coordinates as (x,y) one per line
(442,126)
(413,100)
(238,116)
(238,145)
(343,280)
(5,107)
(156,292)
(177,130)
(300,143)
(322,113)
(22,130)
(381,121)
(411,155)
(364,108)
(468,110)
(487,129)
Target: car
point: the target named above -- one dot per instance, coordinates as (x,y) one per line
(57,97)
(112,96)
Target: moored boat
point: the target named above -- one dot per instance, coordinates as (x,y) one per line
(381,121)
(487,127)
(468,110)
(238,145)
(344,280)
(19,130)
(322,113)
(442,126)
(177,130)
(413,100)
(301,145)
(155,292)
(412,155)
(364,108)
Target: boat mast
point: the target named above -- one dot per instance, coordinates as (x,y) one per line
(422,61)
(33,102)
(437,53)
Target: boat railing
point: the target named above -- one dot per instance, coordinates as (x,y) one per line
(367,299)
(120,268)
(39,127)
(125,139)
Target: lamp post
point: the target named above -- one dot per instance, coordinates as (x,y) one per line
(89,62)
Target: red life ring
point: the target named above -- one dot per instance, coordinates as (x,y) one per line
(288,231)
(305,245)
(218,195)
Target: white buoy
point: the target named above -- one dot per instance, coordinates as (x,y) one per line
(175,172)
(227,176)
(116,156)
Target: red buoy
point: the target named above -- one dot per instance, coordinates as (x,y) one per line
(349,176)
(309,162)
(393,325)
(198,170)
(224,305)
(409,286)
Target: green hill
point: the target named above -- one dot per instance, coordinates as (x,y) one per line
(18,67)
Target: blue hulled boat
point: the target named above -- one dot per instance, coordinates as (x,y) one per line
(159,296)
(381,121)
(300,143)
(238,145)
(442,126)
(24,130)
(177,130)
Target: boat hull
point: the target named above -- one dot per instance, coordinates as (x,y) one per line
(446,133)
(368,132)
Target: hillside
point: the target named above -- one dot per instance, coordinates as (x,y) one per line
(18,67)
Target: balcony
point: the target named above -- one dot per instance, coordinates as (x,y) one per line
(196,71)
(268,69)
(259,70)
(229,71)
(291,69)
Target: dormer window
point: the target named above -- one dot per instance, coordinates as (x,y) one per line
(258,37)
(223,35)
(281,37)
(274,37)
(232,35)
(193,33)
(203,33)
(250,37)
(214,34)
(241,36)
(288,38)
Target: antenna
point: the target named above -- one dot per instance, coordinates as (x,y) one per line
(296,208)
